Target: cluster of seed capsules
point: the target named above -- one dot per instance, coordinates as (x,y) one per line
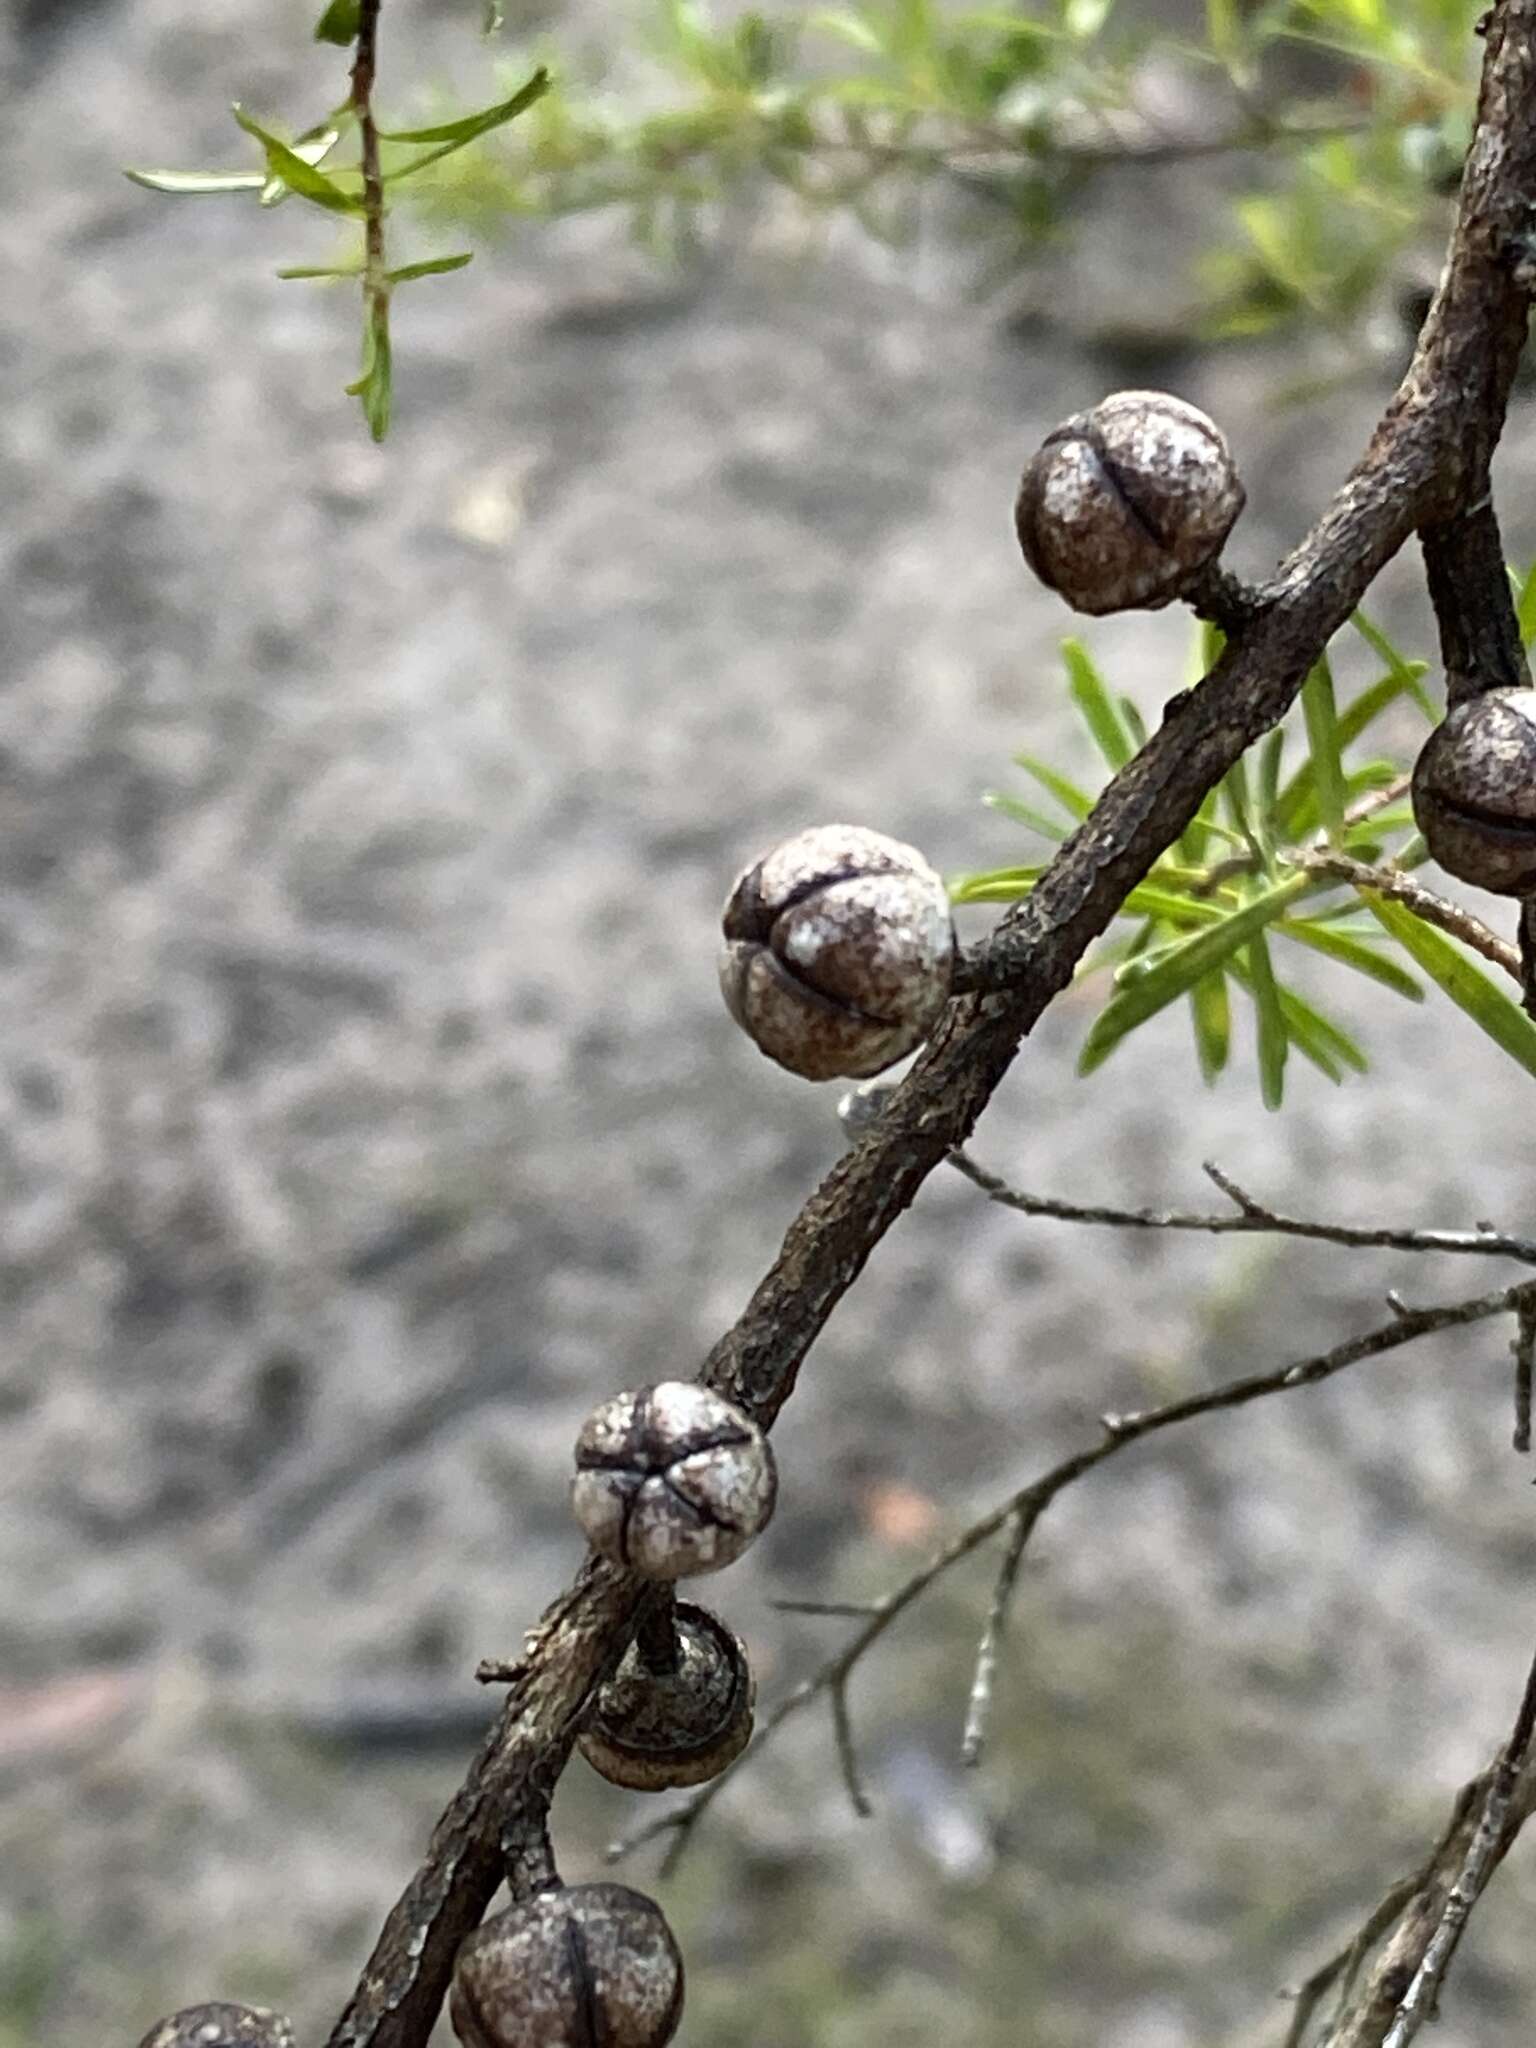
(838,960)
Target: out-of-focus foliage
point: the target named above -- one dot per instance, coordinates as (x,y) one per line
(1222,911)
(1335,126)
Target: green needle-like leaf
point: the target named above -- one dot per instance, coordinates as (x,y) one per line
(1074,801)
(1101,715)
(1210,1011)
(197,184)
(1526,609)
(1351,951)
(430,266)
(374,388)
(1273,1038)
(300,177)
(1321,715)
(1181,967)
(453,135)
(1462,980)
(1023,814)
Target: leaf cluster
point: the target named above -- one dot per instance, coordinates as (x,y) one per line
(1339,126)
(1246,891)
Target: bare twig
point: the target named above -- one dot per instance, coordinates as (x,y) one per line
(1496,1827)
(1524,1349)
(1480,643)
(979,1707)
(1436,910)
(1025,1507)
(1251,1219)
(847,1749)
(1426,462)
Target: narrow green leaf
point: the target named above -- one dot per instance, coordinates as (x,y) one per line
(1326,1044)
(1406,672)
(1462,980)
(311,270)
(1023,814)
(374,388)
(1273,1038)
(849,28)
(296,174)
(1271,755)
(1211,1014)
(1182,967)
(1321,715)
(1525,611)
(996,885)
(430,266)
(1134,723)
(315,145)
(1074,801)
(340,23)
(469,126)
(1101,715)
(1351,951)
(194,184)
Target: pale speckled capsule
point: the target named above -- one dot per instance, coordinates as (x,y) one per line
(579,1966)
(219,2025)
(1124,503)
(660,1731)
(1474,792)
(672,1480)
(839,952)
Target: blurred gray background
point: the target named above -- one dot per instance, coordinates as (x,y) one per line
(370,1112)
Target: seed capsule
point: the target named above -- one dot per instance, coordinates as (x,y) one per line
(658,1730)
(218,2025)
(839,952)
(1125,503)
(1474,791)
(672,1480)
(579,1966)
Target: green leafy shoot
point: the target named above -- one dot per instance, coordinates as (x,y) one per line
(1276,865)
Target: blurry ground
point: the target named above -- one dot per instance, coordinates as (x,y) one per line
(370,1112)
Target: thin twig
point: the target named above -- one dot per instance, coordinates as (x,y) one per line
(979,1706)
(1483,1857)
(847,1749)
(1435,910)
(1524,1349)
(1026,1506)
(1251,1219)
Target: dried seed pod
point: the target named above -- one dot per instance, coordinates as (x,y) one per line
(572,1967)
(217,2025)
(1125,503)
(659,1728)
(672,1480)
(839,951)
(1474,791)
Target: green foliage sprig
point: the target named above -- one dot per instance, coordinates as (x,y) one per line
(1303,843)
(1345,122)
(359,190)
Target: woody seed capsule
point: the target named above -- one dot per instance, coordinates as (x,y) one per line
(1125,503)
(219,2025)
(579,1966)
(1474,791)
(839,951)
(672,1480)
